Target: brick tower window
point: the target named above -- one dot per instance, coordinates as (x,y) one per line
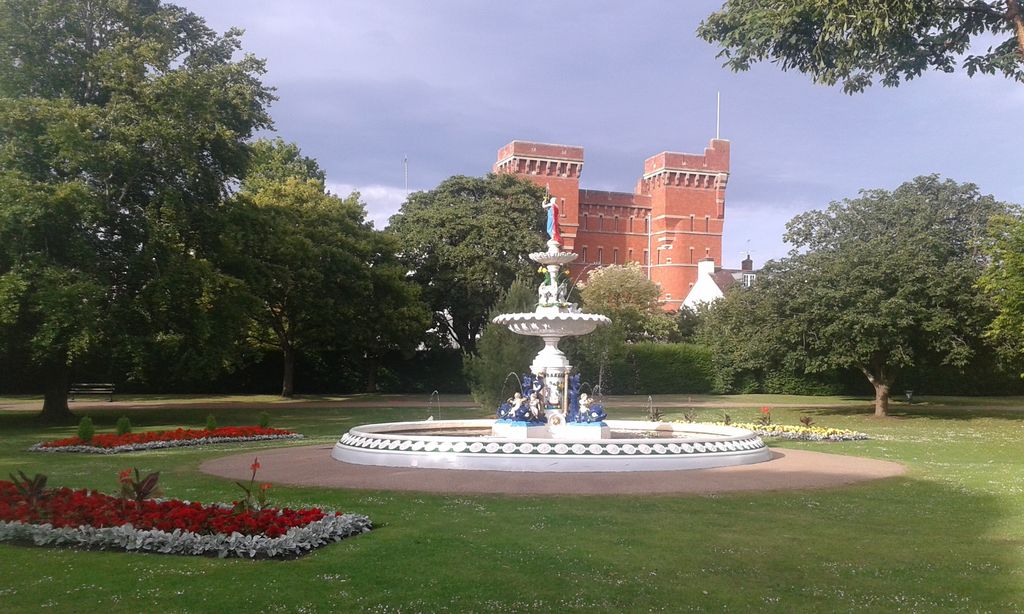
(615,256)
(600,255)
(583,253)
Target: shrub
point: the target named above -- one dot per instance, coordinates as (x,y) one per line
(264,420)
(500,351)
(124,425)
(211,423)
(85,429)
(662,368)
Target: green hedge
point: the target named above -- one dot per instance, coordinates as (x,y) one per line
(661,368)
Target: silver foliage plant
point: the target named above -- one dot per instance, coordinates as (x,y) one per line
(298,540)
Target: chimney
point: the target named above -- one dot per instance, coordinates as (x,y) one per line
(747,264)
(706,266)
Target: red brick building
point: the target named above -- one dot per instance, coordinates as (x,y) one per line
(671,221)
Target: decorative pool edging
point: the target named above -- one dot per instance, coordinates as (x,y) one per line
(705,446)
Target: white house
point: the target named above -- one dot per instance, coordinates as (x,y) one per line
(712,283)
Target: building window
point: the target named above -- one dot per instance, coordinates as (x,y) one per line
(631,223)
(707,223)
(615,256)
(692,228)
(600,255)
(707,252)
(586,222)
(615,224)
(583,254)
(600,222)
(629,256)
(748,279)
(691,255)
(646,256)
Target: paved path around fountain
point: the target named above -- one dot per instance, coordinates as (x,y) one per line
(788,470)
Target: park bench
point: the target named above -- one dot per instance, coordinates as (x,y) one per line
(103,389)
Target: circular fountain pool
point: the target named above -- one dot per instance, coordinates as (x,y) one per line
(470,444)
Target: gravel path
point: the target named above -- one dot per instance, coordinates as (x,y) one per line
(788,470)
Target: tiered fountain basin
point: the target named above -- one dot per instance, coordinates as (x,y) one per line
(542,324)
(471,445)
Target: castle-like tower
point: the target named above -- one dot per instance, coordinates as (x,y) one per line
(670,222)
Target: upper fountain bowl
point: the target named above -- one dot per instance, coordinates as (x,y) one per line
(553,257)
(551,324)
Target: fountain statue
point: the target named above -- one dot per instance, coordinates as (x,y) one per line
(550,387)
(549,424)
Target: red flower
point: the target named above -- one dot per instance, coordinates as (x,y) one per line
(109,440)
(264,486)
(766,410)
(255,466)
(63,507)
(124,476)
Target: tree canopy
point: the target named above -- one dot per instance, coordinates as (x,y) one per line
(1003,282)
(465,242)
(121,123)
(323,279)
(624,294)
(853,42)
(877,283)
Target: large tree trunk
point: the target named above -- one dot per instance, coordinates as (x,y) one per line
(881,400)
(288,384)
(882,380)
(55,402)
(1015,15)
(372,366)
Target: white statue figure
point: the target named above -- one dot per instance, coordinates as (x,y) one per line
(517,402)
(535,408)
(585,402)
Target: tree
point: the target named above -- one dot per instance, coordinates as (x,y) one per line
(856,41)
(121,124)
(878,284)
(500,351)
(466,241)
(1003,282)
(303,256)
(624,294)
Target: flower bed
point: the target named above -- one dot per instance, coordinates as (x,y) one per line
(85,518)
(804,433)
(149,440)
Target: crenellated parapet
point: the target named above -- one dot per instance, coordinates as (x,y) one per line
(540,159)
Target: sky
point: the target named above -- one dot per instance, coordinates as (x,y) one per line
(363,84)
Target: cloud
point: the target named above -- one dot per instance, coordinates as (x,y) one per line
(382,201)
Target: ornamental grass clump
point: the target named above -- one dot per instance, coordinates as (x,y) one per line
(211,423)
(264,420)
(31,489)
(124,425)
(140,488)
(85,429)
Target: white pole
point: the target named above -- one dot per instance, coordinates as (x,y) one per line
(718,115)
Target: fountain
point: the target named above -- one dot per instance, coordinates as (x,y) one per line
(549,424)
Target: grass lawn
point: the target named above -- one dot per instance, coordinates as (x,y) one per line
(948,536)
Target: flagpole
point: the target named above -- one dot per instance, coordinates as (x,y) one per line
(718,115)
